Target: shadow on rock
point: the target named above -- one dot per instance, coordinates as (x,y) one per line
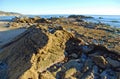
(17,55)
(73,45)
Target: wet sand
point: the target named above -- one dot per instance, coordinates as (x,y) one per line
(7,34)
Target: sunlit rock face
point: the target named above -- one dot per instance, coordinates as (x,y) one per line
(51,51)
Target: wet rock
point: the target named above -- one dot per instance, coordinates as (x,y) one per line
(3,70)
(74,55)
(112,62)
(83,57)
(95,69)
(91,73)
(51,30)
(108,74)
(79,16)
(100,61)
(118,75)
(73,46)
(88,64)
(88,75)
(73,64)
(87,48)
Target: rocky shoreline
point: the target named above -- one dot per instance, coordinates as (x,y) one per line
(61,48)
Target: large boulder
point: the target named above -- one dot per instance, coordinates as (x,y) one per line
(33,52)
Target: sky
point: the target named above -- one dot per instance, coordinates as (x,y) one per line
(97,7)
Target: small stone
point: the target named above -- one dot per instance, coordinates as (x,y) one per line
(112,62)
(74,55)
(70,72)
(100,61)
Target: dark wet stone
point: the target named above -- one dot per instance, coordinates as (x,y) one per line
(112,62)
(3,70)
(108,74)
(73,64)
(83,57)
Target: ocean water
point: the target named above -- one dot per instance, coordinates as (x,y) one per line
(6,18)
(112,20)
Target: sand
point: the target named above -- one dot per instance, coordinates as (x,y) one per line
(7,34)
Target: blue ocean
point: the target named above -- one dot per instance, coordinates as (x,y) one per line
(112,20)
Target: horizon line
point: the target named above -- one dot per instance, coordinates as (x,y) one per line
(73,14)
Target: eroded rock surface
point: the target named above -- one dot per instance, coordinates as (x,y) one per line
(51,52)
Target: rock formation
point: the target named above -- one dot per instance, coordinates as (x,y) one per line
(52,52)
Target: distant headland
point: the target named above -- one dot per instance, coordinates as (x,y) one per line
(3,13)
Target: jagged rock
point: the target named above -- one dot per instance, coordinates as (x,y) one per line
(69,73)
(108,74)
(71,67)
(47,75)
(3,70)
(52,50)
(83,57)
(88,64)
(91,73)
(37,50)
(73,46)
(88,75)
(112,62)
(100,61)
(73,64)
(30,20)
(36,18)
(118,75)
(74,55)
(42,20)
(87,48)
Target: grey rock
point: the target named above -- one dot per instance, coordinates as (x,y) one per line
(3,70)
(95,69)
(118,75)
(100,61)
(108,74)
(88,75)
(87,49)
(83,57)
(87,65)
(73,64)
(112,62)
(74,55)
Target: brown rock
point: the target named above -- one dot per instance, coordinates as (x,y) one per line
(100,61)
(34,51)
(69,73)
